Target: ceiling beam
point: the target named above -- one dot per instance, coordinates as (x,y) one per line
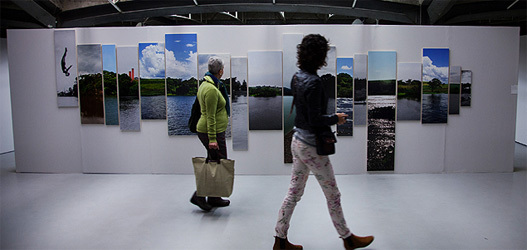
(37,12)
(438,8)
(490,16)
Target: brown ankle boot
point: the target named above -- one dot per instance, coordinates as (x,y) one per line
(354,242)
(280,243)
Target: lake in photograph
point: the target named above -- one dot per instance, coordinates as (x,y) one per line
(435,108)
(178,109)
(454,103)
(153,107)
(239,122)
(67,101)
(345,105)
(360,113)
(381,133)
(265,113)
(408,109)
(130,113)
(111,110)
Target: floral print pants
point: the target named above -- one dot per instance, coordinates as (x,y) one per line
(306,159)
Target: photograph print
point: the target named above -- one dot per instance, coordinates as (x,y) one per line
(466,88)
(128,85)
(409,91)
(66,68)
(152,81)
(181,55)
(89,66)
(345,94)
(382,73)
(328,74)
(454,92)
(436,64)
(289,43)
(109,68)
(265,90)
(360,73)
(239,111)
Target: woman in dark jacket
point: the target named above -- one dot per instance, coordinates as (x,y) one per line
(311,104)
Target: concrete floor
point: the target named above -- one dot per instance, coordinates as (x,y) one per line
(421,211)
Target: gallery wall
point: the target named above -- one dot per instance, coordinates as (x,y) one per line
(479,139)
(6,121)
(521,114)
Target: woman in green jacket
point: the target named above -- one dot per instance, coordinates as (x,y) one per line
(214,102)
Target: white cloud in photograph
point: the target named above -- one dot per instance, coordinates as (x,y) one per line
(430,71)
(184,69)
(152,61)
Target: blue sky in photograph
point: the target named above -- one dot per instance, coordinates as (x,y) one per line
(435,64)
(345,65)
(439,56)
(152,60)
(182,45)
(382,65)
(109,58)
(181,56)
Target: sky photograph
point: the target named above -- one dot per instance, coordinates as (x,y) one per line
(89,59)
(435,64)
(265,68)
(345,65)
(152,60)
(181,56)
(407,71)
(109,58)
(382,65)
(126,60)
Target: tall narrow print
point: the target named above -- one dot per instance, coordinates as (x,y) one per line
(89,60)
(109,67)
(345,94)
(409,91)
(454,99)
(239,113)
(381,110)
(436,62)
(328,74)
(128,85)
(181,53)
(152,80)
(360,73)
(466,88)
(265,90)
(289,43)
(66,68)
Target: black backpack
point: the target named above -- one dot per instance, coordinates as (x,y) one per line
(195,114)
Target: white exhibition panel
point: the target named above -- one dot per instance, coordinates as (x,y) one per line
(521,114)
(480,139)
(6,121)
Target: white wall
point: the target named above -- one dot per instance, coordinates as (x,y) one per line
(480,139)
(521,114)
(6,121)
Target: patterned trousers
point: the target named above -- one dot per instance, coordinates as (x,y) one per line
(306,159)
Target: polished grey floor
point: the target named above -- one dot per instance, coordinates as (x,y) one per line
(421,211)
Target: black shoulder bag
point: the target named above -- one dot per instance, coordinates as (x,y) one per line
(195,114)
(325,141)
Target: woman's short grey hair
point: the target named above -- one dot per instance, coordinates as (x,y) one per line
(215,65)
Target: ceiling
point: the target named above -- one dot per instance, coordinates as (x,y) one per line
(16,14)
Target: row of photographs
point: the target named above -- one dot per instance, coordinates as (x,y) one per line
(122,85)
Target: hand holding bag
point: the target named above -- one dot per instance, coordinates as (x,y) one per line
(213,178)
(325,141)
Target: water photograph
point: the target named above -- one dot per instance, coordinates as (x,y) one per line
(360,74)
(109,80)
(409,91)
(66,68)
(466,88)
(382,73)
(239,113)
(89,65)
(181,57)
(454,91)
(345,94)
(436,64)
(152,81)
(265,90)
(128,85)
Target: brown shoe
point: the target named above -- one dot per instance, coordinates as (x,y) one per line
(354,242)
(280,243)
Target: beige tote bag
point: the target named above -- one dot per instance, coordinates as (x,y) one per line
(212,178)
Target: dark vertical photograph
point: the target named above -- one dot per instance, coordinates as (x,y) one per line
(89,66)
(152,81)
(128,86)
(454,90)
(409,91)
(239,113)
(66,68)
(436,64)
(466,88)
(345,94)
(360,74)
(109,69)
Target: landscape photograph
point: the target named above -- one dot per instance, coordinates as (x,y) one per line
(328,74)
(345,94)
(382,74)
(89,66)
(152,81)
(128,85)
(454,92)
(109,69)
(436,64)
(360,74)
(409,91)
(181,55)
(239,108)
(265,90)
(466,88)
(66,68)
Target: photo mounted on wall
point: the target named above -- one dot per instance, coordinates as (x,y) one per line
(66,68)
(360,74)
(328,74)
(289,43)
(466,88)
(409,91)
(109,67)
(128,84)
(181,55)
(89,66)
(152,80)
(382,70)
(436,62)
(454,99)
(265,90)
(239,113)
(345,94)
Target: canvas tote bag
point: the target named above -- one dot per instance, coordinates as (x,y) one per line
(213,178)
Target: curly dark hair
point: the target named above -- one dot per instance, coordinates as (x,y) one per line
(312,52)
